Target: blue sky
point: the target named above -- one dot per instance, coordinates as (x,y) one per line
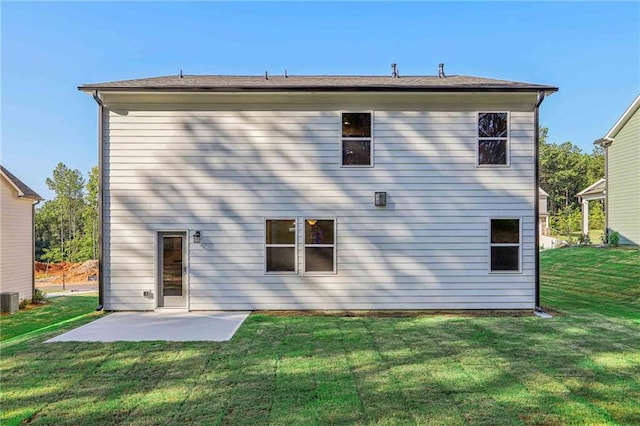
(590,50)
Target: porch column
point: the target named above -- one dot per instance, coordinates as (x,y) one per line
(585,217)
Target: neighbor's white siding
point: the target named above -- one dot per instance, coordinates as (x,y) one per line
(222,168)
(16,238)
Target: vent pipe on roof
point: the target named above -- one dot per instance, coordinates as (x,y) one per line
(441,71)
(181,76)
(266,75)
(394,71)
(285,74)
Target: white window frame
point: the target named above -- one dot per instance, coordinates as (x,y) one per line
(507,138)
(370,139)
(294,245)
(334,245)
(519,245)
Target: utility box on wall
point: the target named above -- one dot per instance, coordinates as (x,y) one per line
(9,302)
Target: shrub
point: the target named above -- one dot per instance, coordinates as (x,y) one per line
(614,238)
(39,296)
(584,239)
(23,303)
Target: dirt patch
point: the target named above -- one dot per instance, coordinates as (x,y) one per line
(56,273)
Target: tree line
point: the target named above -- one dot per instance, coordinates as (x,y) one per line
(564,171)
(66,227)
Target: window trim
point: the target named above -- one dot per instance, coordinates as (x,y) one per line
(370,139)
(507,138)
(519,245)
(334,245)
(294,245)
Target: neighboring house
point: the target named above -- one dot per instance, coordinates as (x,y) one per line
(318,192)
(16,235)
(622,174)
(543,214)
(545,241)
(594,192)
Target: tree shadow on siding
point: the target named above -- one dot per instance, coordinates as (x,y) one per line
(227,172)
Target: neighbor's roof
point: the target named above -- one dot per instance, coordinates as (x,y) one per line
(22,189)
(596,188)
(626,116)
(224,83)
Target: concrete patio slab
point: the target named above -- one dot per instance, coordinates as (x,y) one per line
(165,325)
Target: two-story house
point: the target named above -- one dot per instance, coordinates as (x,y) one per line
(318,192)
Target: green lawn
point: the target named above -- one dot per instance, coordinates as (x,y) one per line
(581,367)
(595,236)
(60,309)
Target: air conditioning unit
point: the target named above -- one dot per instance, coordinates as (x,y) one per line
(9,302)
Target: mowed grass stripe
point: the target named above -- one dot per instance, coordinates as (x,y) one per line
(581,367)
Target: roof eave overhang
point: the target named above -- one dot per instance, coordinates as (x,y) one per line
(19,192)
(589,188)
(310,89)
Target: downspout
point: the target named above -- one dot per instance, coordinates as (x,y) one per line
(100,306)
(537,198)
(33,248)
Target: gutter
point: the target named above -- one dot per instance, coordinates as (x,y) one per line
(536,208)
(275,88)
(98,100)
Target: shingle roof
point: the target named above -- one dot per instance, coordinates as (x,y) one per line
(222,83)
(24,190)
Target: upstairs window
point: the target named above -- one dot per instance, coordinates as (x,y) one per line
(506,245)
(280,245)
(319,245)
(493,139)
(356,142)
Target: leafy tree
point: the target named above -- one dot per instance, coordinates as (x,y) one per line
(47,234)
(91,215)
(68,186)
(565,170)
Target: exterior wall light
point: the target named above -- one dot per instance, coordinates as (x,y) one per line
(381,199)
(196,237)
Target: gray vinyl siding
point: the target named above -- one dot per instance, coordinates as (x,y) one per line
(624,182)
(16,238)
(222,170)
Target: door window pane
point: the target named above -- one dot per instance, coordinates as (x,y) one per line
(172,266)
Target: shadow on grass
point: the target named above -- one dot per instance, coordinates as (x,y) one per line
(423,370)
